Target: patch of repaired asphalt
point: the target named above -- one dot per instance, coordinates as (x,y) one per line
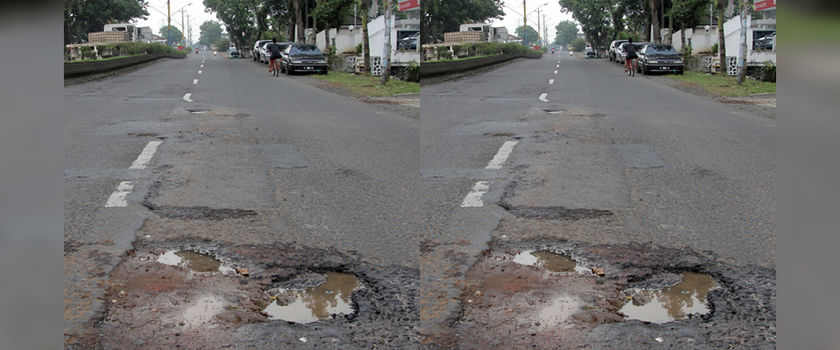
(153,305)
(510,305)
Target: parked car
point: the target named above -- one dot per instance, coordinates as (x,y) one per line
(622,50)
(590,54)
(614,49)
(265,55)
(408,43)
(659,58)
(256,51)
(233,53)
(301,57)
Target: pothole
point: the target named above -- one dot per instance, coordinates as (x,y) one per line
(498,134)
(142,134)
(554,212)
(195,261)
(326,298)
(197,110)
(548,260)
(672,303)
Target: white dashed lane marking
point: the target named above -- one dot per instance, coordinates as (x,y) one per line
(199,72)
(146,155)
(473,199)
(543,97)
(550,81)
(187,97)
(555,72)
(117,198)
(502,155)
(195,81)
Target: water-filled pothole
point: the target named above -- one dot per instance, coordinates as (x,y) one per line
(195,261)
(671,303)
(314,303)
(548,260)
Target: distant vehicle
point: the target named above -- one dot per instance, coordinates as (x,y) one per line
(613,50)
(659,58)
(256,50)
(233,53)
(306,58)
(571,52)
(214,52)
(590,54)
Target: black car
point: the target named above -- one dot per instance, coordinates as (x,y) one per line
(303,58)
(659,58)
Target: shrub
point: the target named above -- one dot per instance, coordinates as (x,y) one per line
(359,49)
(443,52)
(715,49)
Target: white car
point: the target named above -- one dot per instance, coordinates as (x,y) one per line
(256,51)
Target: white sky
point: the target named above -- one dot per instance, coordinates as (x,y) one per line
(512,19)
(157,16)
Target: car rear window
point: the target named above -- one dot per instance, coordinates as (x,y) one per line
(661,49)
(305,50)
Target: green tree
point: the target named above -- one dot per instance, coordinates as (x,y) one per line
(566,32)
(222,44)
(331,13)
(594,17)
(578,44)
(531,37)
(440,16)
(176,37)
(211,31)
(84,16)
(244,20)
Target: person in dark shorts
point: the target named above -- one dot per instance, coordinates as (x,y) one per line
(274,49)
(630,58)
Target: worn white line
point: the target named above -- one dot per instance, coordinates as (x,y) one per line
(146,155)
(550,81)
(558,66)
(555,72)
(502,155)
(117,199)
(473,199)
(199,72)
(187,97)
(202,65)
(195,81)
(543,97)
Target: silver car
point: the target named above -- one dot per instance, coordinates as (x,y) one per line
(256,51)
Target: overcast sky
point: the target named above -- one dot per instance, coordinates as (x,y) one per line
(157,15)
(513,15)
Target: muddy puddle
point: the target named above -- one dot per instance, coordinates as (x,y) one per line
(195,261)
(671,303)
(315,303)
(548,260)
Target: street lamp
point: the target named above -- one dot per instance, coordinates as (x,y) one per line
(525,18)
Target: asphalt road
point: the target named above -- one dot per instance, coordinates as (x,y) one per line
(671,168)
(208,149)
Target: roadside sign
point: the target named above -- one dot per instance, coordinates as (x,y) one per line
(761,5)
(409,4)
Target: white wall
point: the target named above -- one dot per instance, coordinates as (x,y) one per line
(701,40)
(343,38)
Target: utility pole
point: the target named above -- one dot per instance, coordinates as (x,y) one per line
(742,56)
(189,29)
(539,28)
(182,25)
(168,25)
(524,24)
(386,55)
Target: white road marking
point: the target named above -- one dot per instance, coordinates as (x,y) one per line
(555,72)
(543,97)
(117,199)
(146,155)
(195,81)
(187,97)
(502,155)
(550,81)
(202,65)
(199,72)
(473,199)
(558,66)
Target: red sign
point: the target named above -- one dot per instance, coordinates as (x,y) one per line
(409,4)
(765,4)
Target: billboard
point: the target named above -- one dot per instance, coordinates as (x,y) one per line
(761,5)
(409,4)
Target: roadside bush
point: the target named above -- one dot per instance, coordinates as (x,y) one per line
(359,49)
(87,52)
(766,72)
(578,44)
(715,49)
(443,53)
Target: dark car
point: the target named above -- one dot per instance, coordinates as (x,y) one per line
(659,58)
(303,58)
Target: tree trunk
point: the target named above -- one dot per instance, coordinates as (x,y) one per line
(386,55)
(721,37)
(365,39)
(670,37)
(327,40)
(646,34)
(314,36)
(682,39)
(742,57)
(299,37)
(654,18)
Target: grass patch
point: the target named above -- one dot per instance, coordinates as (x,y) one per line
(726,85)
(370,85)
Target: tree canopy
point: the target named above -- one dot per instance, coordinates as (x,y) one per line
(529,39)
(566,33)
(211,31)
(84,16)
(595,18)
(441,16)
(177,36)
